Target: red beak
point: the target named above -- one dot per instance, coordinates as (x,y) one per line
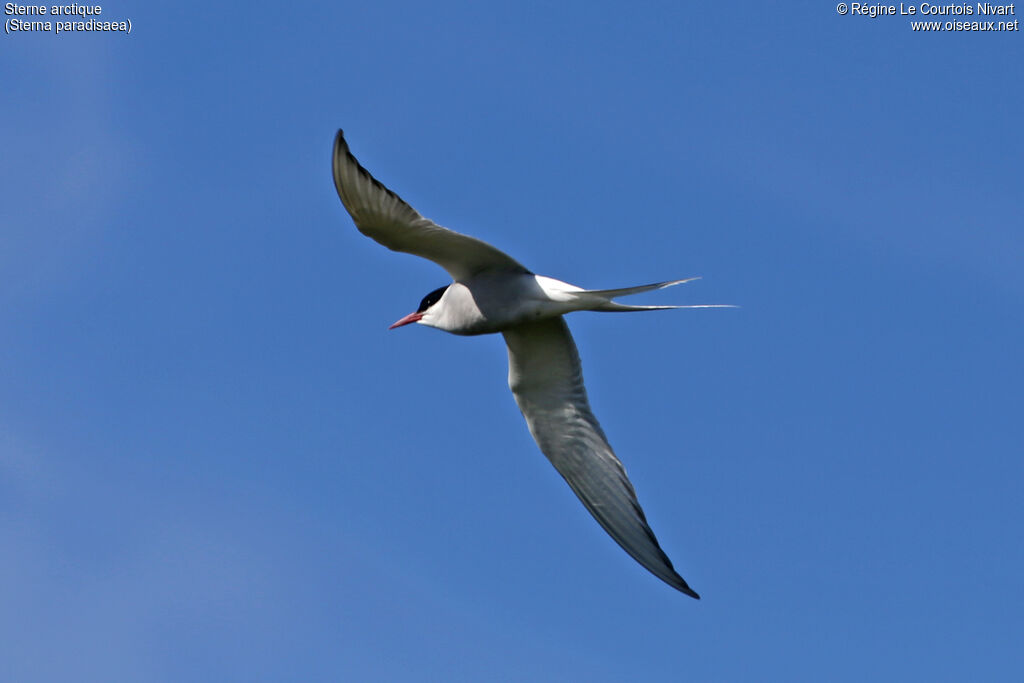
(411,318)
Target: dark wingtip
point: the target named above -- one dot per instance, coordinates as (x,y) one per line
(340,148)
(689,591)
(684,587)
(339,143)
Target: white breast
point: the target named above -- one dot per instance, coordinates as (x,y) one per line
(493,302)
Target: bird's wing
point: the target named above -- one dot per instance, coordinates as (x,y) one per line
(381,214)
(546,378)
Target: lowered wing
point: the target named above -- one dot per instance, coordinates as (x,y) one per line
(547,380)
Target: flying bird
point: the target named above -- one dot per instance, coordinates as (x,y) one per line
(492,292)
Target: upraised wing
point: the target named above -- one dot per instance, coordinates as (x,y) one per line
(547,380)
(381,215)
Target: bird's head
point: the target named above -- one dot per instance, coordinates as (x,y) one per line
(423,313)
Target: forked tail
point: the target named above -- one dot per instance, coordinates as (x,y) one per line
(614,307)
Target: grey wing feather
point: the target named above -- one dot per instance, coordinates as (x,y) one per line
(547,380)
(381,215)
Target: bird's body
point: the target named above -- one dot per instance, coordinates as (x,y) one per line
(492,293)
(491,301)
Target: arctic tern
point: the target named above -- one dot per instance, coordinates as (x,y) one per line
(492,292)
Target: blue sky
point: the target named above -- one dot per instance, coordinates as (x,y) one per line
(217,464)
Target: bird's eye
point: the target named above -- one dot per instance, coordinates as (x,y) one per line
(431,299)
